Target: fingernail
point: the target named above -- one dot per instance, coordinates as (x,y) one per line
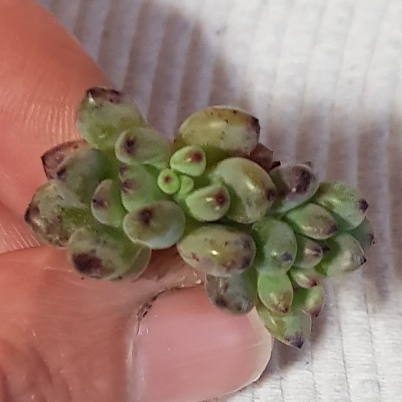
(187,350)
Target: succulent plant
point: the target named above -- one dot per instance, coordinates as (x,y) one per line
(263,234)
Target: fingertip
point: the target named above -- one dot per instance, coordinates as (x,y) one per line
(187,350)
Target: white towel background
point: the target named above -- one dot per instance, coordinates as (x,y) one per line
(325,79)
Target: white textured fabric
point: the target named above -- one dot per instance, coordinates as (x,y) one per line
(325,79)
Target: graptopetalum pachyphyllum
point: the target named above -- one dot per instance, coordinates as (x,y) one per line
(262,234)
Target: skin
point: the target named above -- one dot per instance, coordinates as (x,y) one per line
(67,339)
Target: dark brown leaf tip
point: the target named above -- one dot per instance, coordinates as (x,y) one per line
(128,186)
(363,205)
(312,283)
(145,216)
(167,178)
(363,260)
(283,309)
(98,202)
(315,313)
(246,262)
(316,251)
(221,302)
(270,194)
(296,341)
(247,244)
(32,213)
(102,94)
(54,157)
(275,164)
(255,124)
(303,181)
(262,156)
(130,145)
(195,157)
(286,257)
(332,229)
(220,199)
(123,170)
(48,230)
(89,265)
(371,238)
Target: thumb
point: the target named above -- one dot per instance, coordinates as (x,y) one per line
(188,351)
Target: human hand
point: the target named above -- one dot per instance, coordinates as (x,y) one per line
(67,339)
